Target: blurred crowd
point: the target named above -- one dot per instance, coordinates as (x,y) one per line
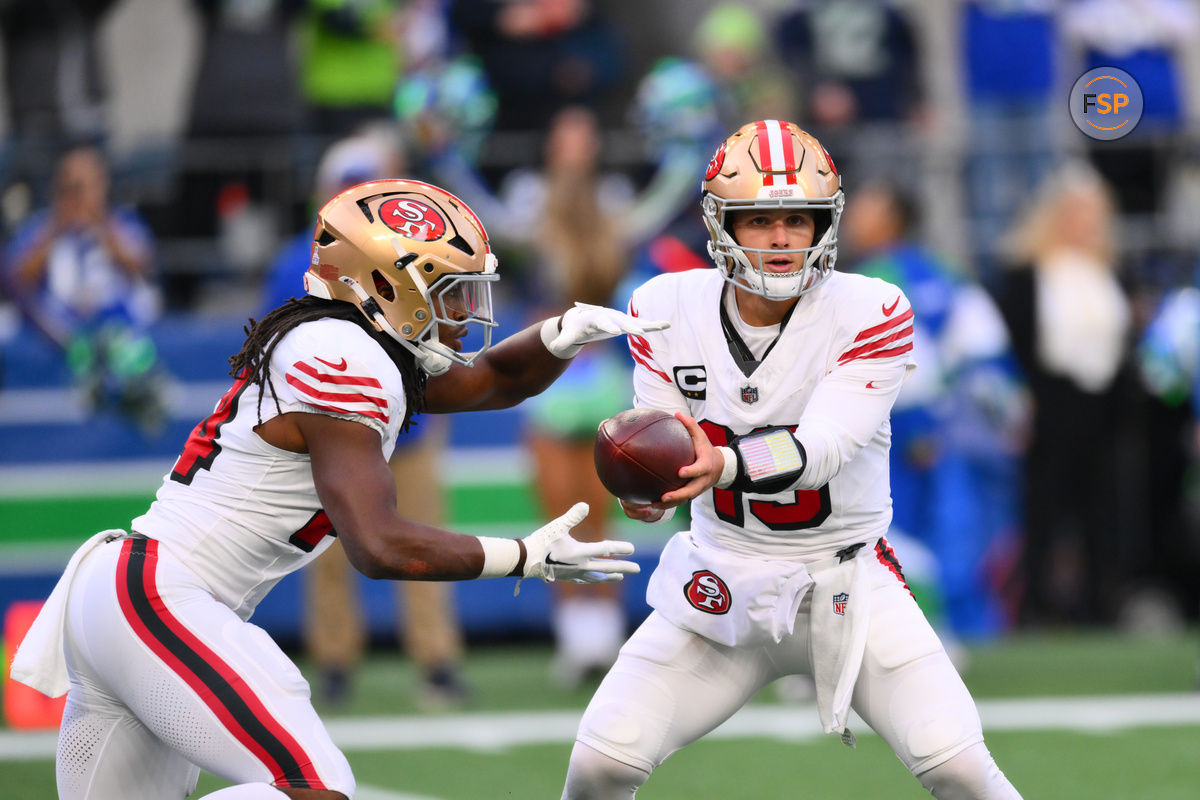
(1046,456)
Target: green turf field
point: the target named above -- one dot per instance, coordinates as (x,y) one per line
(1072,715)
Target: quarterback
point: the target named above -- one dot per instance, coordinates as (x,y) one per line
(785,372)
(147,631)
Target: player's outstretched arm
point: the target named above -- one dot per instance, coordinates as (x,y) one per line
(526,363)
(358,494)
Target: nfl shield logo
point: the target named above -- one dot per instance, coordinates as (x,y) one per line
(839,603)
(749,394)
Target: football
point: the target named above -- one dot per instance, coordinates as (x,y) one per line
(638,454)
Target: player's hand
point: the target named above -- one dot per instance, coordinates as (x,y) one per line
(646,512)
(551,553)
(583,323)
(703,473)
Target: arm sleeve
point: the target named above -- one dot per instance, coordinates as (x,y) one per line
(852,403)
(844,415)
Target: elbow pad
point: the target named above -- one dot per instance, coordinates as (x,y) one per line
(768,461)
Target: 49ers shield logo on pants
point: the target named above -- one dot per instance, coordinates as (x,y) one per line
(708,593)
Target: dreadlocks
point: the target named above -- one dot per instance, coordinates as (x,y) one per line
(263,335)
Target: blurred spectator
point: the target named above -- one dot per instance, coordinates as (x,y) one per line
(676,111)
(243,118)
(334,628)
(540,55)
(1071,326)
(353,52)
(858,60)
(1147,39)
(448,98)
(82,272)
(53,81)
(731,42)
(1009,58)
(952,467)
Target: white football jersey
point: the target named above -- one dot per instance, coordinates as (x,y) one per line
(832,376)
(242,513)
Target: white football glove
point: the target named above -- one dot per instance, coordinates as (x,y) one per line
(552,553)
(565,335)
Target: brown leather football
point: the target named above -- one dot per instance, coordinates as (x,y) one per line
(638,454)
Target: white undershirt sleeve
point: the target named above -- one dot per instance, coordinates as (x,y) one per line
(846,411)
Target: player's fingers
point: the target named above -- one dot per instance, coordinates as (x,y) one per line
(699,438)
(594,577)
(617,548)
(601,549)
(690,490)
(655,325)
(613,567)
(574,515)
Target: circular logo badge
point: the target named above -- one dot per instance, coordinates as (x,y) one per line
(413,219)
(1106,103)
(708,593)
(714,163)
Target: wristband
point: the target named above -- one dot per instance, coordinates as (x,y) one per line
(730,471)
(502,557)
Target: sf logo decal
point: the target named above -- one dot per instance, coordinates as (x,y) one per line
(708,593)
(413,219)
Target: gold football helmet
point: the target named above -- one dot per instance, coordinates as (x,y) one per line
(411,256)
(767,165)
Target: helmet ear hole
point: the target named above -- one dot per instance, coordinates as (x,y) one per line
(383,286)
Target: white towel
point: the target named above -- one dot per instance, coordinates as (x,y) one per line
(40,661)
(841,610)
(731,599)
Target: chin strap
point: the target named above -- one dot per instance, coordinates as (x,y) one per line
(430,355)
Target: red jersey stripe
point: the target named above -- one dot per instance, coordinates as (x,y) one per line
(325,377)
(657,372)
(317,394)
(850,355)
(884,326)
(895,351)
(384,418)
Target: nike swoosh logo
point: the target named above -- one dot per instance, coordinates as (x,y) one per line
(341,365)
(871,385)
(887,310)
(556,563)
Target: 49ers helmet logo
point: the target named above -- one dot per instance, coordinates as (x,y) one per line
(708,593)
(413,219)
(715,163)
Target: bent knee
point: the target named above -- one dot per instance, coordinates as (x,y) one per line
(592,775)
(969,775)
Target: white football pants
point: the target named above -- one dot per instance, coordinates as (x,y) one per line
(669,687)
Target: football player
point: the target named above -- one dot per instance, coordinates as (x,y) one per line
(148,628)
(784,372)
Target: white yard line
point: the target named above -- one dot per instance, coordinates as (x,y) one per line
(499,731)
